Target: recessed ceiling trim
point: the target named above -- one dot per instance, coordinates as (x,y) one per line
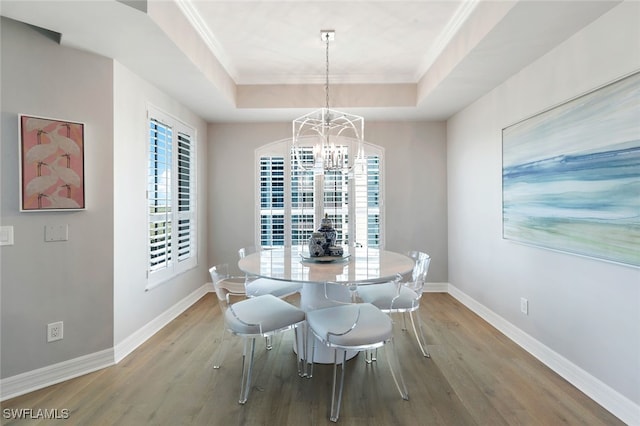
(266,96)
(210,40)
(444,38)
(352,78)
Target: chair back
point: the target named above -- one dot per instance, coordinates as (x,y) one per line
(420,270)
(244,251)
(224,284)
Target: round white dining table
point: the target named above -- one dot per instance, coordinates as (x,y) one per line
(359,266)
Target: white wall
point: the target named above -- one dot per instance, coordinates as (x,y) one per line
(415,176)
(68,281)
(586,310)
(135,307)
(415,189)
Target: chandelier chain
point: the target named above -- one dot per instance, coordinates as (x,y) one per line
(326,85)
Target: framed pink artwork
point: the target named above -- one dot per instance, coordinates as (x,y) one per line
(51,164)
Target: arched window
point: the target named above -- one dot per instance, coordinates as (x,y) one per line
(287,206)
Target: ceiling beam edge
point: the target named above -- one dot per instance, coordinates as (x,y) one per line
(479,24)
(169,17)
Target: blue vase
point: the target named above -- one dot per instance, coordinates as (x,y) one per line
(330,235)
(316,244)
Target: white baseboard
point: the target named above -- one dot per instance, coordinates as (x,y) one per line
(129,344)
(50,375)
(46,376)
(435,288)
(614,402)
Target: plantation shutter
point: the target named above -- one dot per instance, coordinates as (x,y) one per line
(272,174)
(159,195)
(185,201)
(171,197)
(373,202)
(302,200)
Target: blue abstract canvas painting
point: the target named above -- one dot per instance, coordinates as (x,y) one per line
(571,175)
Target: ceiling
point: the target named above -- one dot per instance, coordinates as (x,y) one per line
(265,60)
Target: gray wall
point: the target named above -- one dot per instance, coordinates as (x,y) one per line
(70,281)
(586,310)
(96,281)
(415,174)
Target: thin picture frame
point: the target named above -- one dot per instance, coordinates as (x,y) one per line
(51,162)
(571,175)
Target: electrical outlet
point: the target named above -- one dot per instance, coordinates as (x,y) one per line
(54,331)
(524,306)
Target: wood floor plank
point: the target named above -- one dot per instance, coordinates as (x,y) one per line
(475,376)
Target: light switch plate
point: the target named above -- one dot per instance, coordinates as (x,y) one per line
(6,235)
(56,233)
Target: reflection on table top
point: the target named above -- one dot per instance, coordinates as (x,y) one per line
(362,264)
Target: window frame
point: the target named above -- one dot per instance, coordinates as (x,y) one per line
(282,149)
(180,212)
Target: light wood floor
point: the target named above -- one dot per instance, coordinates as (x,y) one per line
(476,376)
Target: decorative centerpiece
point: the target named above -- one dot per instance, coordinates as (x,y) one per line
(323,241)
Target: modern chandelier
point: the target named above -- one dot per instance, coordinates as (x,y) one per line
(326,139)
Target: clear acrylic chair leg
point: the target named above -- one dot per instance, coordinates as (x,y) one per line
(371,355)
(337,399)
(268,343)
(310,350)
(419,333)
(396,369)
(247,368)
(404,321)
(222,350)
(302,358)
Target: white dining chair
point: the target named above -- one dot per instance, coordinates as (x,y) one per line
(405,299)
(256,286)
(228,287)
(350,327)
(259,316)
